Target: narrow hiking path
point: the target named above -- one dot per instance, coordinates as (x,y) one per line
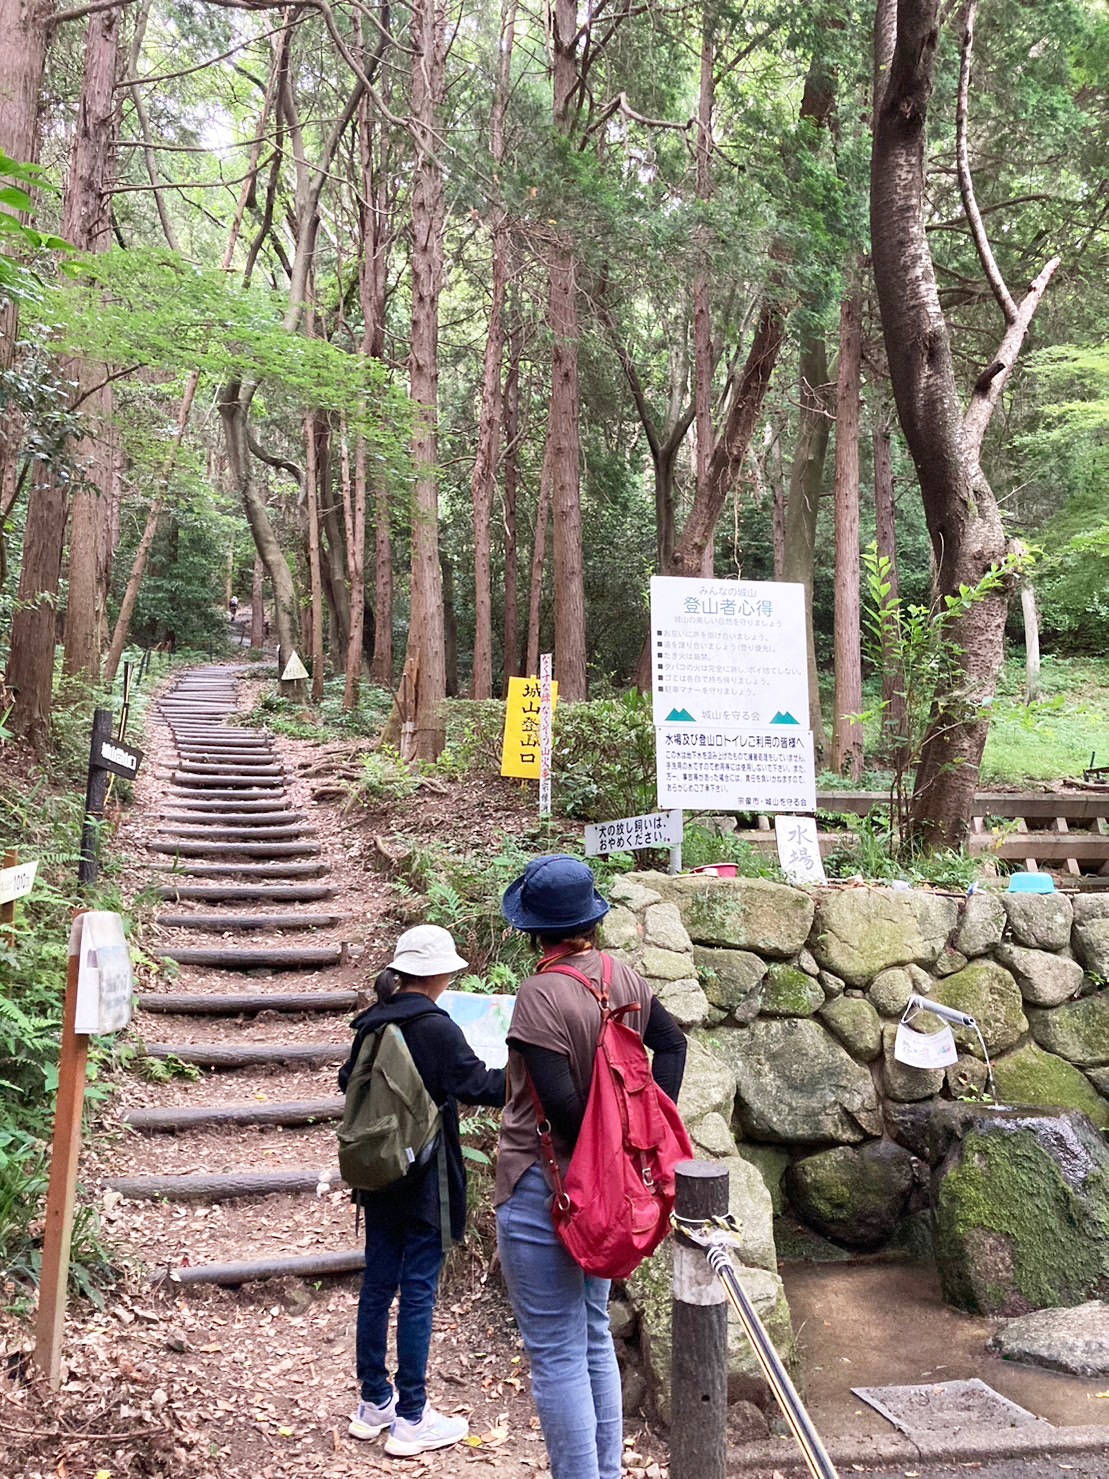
(225,1187)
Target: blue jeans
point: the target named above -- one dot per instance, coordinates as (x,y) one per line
(403,1254)
(562,1313)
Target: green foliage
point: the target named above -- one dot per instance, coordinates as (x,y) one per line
(328,720)
(165,1070)
(463,893)
(1052,738)
(20,283)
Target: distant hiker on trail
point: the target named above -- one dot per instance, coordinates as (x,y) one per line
(561,1310)
(233,607)
(403,1151)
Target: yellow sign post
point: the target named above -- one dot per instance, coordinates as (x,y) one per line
(520,753)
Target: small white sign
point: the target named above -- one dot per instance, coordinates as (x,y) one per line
(294,669)
(925,1049)
(545,734)
(658,829)
(17,881)
(104,980)
(799,849)
(705,768)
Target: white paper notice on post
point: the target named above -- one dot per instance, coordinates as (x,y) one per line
(729,652)
(706,768)
(104,979)
(799,849)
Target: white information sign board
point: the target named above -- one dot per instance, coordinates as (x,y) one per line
(17,881)
(294,669)
(925,1049)
(104,981)
(729,652)
(735,767)
(798,849)
(658,829)
(484,1021)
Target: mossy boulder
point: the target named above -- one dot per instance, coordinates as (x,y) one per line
(1039,921)
(988,993)
(1021,1213)
(796,1083)
(636,890)
(1045,979)
(732,980)
(619,929)
(790,992)
(853,1196)
(862,931)
(663,927)
(712,1134)
(743,914)
(684,1000)
(856,1024)
(665,965)
(902,1082)
(708,1086)
(1092,942)
(771,1163)
(981,925)
(890,991)
(1090,906)
(1031,1076)
(1078,1031)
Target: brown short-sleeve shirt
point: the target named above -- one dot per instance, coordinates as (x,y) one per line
(556,1012)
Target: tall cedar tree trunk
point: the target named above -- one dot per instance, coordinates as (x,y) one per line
(704,360)
(538,560)
(563,429)
(847,738)
(86,222)
(423,685)
(450,625)
(803,500)
(258,605)
(372,290)
(959,506)
(818,101)
(492,405)
(511,432)
(311,492)
(24,27)
(894,713)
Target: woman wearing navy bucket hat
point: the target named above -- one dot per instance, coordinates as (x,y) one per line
(562,1312)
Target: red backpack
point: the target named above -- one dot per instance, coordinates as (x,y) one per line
(613,1207)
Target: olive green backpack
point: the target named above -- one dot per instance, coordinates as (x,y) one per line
(390,1122)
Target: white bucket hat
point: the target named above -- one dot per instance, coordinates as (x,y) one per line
(427,950)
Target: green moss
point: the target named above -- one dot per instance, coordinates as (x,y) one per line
(790,992)
(1012,1235)
(1031,1076)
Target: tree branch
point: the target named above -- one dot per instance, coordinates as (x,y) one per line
(987,392)
(78,12)
(966,184)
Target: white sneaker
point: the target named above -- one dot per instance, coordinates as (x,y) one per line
(369,1420)
(434,1430)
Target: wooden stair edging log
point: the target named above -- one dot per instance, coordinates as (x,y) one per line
(218,922)
(244,870)
(270,832)
(291,959)
(243,893)
(302,1266)
(245,1003)
(201,821)
(260,781)
(201,806)
(239,794)
(220,1186)
(147,1121)
(190,849)
(218,1055)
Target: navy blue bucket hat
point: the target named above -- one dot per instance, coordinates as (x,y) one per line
(553,895)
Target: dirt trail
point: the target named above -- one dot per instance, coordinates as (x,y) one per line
(257,1374)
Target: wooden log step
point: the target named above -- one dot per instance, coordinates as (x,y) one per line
(222,753)
(274,832)
(231,779)
(243,893)
(239,794)
(217,922)
(231,959)
(221,1055)
(218,1186)
(246,765)
(222,734)
(246,1003)
(302,1266)
(201,807)
(204,1116)
(242,870)
(234,818)
(186,848)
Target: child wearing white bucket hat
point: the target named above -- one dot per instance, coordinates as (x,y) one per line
(405,1223)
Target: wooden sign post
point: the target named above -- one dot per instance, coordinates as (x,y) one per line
(98,988)
(107,756)
(15,880)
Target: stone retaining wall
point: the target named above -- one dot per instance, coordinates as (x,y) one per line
(791,1000)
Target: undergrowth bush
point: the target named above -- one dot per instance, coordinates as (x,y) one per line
(328,720)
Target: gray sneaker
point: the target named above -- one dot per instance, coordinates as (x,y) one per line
(434,1430)
(369,1420)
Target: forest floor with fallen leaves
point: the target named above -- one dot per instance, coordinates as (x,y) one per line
(257,1382)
